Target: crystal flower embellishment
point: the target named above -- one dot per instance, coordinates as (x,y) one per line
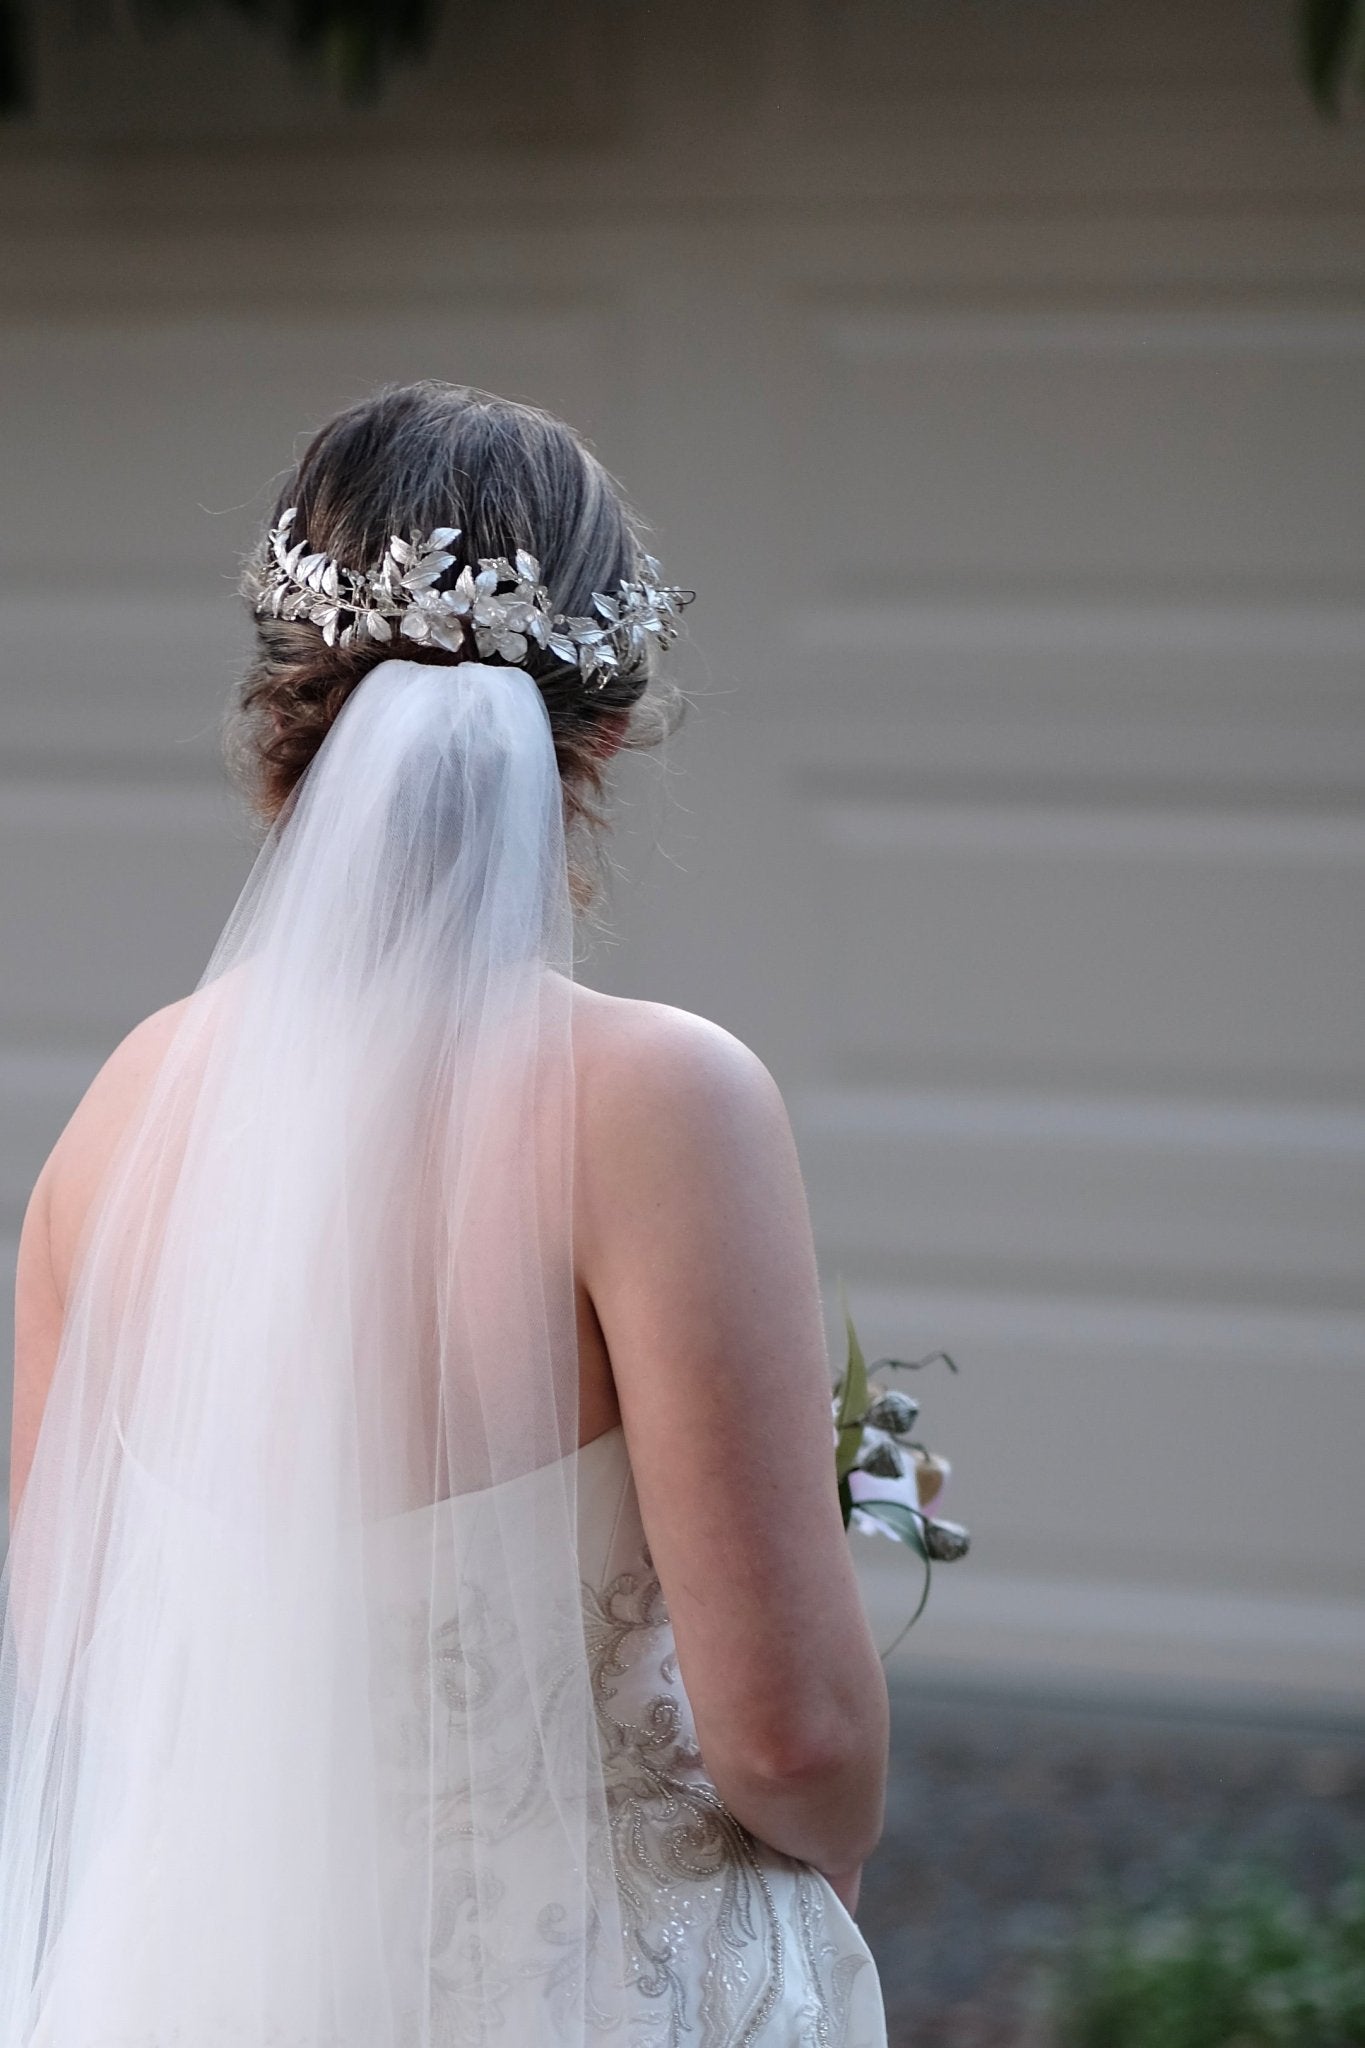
(503,608)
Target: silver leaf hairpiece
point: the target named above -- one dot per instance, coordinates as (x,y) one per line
(401,596)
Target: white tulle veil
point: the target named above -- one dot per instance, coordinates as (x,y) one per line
(295,1704)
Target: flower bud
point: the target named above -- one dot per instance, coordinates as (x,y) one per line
(893,1411)
(883,1461)
(945,1541)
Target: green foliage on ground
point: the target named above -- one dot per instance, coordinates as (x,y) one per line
(1249,1963)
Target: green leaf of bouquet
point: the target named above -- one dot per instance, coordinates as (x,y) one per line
(853,1397)
(903,1522)
(849,1444)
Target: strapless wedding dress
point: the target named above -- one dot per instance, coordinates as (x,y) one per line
(731,1944)
(728,1944)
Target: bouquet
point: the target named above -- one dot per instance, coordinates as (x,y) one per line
(888,1479)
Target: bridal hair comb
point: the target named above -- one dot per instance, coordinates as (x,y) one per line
(400,596)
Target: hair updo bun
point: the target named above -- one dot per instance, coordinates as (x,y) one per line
(509,476)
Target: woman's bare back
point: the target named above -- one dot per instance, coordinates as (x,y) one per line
(700,1330)
(606,1029)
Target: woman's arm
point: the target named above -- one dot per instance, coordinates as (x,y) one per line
(695,1244)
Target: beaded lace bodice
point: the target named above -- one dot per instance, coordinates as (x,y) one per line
(731,1945)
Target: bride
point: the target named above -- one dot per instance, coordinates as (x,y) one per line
(428,1618)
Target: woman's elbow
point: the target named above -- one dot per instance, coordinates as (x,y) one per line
(797,1744)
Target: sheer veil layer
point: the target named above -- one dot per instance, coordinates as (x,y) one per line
(296,1725)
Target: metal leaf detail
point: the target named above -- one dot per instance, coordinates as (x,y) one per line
(403,595)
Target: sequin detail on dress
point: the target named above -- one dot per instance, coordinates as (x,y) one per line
(717,1961)
(727,1943)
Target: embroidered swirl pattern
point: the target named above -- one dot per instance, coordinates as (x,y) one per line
(729,1944)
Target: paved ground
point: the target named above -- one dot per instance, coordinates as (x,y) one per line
(1007,1816)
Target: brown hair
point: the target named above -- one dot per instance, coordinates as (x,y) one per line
(508,476)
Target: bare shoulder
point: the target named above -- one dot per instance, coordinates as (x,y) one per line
(82,1154)
(682,1131)
(121,1082)
(635,1056)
